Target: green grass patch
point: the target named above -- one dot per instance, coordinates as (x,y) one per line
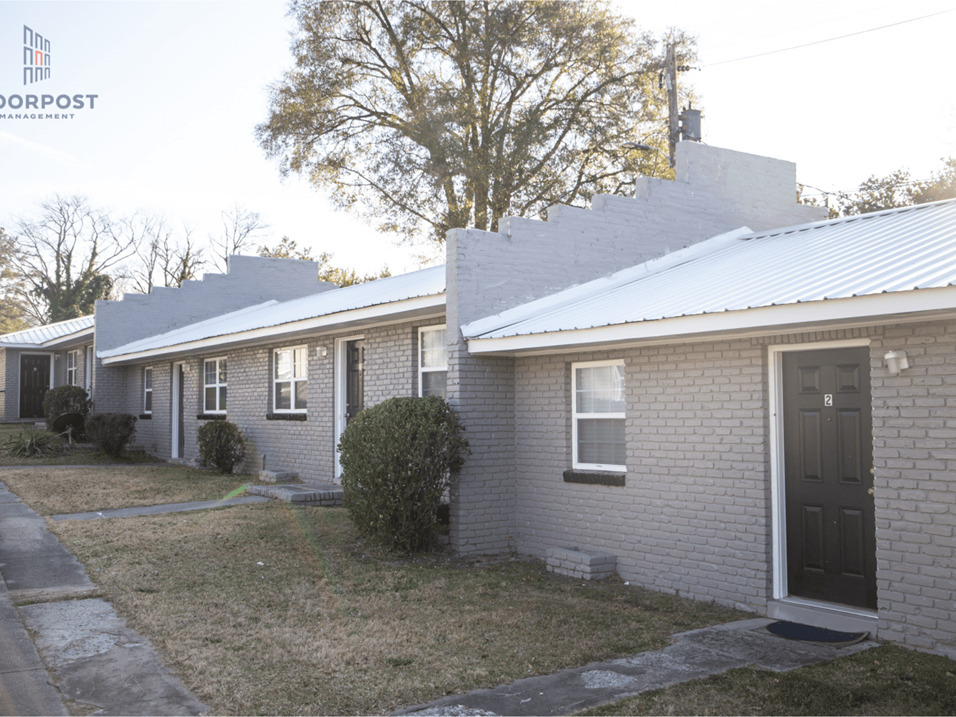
(887,680)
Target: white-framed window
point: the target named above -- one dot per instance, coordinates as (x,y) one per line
(290,379)
(432,361)
(72,359)
(597,410)
(214,386)
(148,390)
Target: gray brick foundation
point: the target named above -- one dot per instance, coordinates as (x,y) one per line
(581,564)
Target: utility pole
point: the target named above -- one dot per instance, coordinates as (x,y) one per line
(670,81)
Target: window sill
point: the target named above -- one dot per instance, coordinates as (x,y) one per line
(594,478)
(146,416)
(286,417)
(211,417)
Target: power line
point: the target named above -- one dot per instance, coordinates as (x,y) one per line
(829,39)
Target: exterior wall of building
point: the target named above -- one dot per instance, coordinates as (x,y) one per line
(281,442)
(153,429)
(694,516)
(526,259)
(250,281)
(10,379)
(914,427)
(8,374)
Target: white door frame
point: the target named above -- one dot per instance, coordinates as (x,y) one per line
(88,370)
(340,377)
(175,415)
(778,493)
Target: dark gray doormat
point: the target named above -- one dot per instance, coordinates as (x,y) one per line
(808,633)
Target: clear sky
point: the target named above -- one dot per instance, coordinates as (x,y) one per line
(181,84)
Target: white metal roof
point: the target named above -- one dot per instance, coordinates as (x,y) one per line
(48,334)
(884,254)
(379,299)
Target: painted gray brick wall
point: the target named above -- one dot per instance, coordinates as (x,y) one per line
(914,426)
(111,392)
(692,518)
(10,377)
(250,280)
(9,370)
(488,272)
(694,515)
(152,435)
(305,447)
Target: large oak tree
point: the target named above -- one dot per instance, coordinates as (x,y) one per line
(431,115)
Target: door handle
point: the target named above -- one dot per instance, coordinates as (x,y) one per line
(869,491)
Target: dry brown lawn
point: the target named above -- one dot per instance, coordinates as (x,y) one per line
(274,609)
(53,490)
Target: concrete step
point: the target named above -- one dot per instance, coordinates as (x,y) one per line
(326,494)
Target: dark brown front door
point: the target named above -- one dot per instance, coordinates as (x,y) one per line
(354,378)
(34,383)
(828,448)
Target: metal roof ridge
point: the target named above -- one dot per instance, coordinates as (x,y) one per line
(84,322)
(577,292)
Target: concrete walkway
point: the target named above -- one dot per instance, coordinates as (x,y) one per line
(694,654)
(158,509)
(81,650)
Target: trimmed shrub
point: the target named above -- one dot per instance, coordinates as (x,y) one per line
(66,399)
(397,458)
(32,443)
(221,445)
(111,432)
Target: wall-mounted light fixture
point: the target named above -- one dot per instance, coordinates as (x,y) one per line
(896,361)
(322,351)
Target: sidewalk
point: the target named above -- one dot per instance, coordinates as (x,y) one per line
(694,654)
(88,654)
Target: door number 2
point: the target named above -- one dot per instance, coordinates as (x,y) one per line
(828,399)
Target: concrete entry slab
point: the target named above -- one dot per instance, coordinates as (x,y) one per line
(324,494)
